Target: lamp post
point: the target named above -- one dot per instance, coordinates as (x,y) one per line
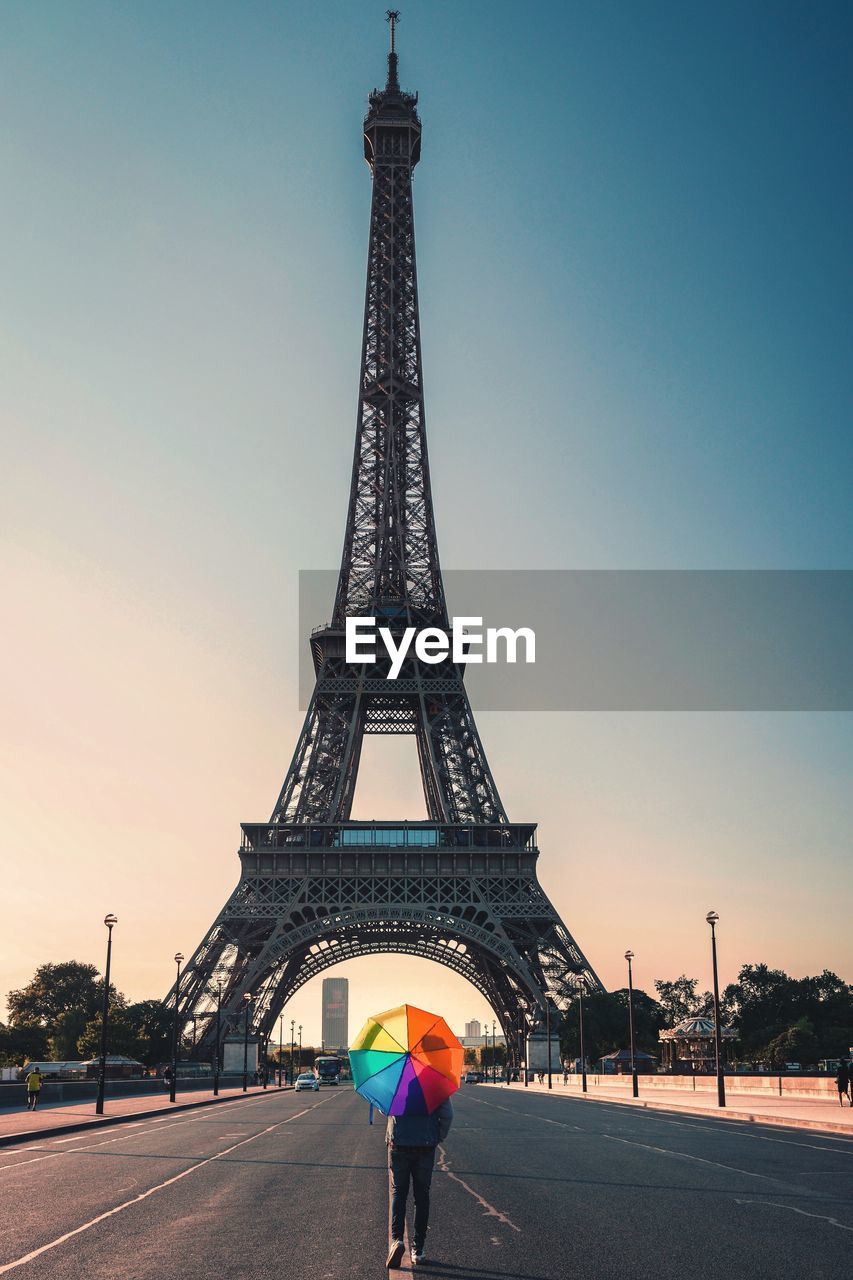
(548,1032)
(524,1046)
(629,956)
(300,1046)
(712,919)
(581,986)
(247,1004)
(280,1045)
(218,1039)
(494,1053)
(179,960)
(109,921)
(292,1050)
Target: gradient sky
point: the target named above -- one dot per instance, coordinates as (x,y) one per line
(634,256)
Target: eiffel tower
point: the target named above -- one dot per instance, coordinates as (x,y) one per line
(315,887)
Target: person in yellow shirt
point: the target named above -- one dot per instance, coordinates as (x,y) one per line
(34,1083)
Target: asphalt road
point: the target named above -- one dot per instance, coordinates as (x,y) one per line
(526,1188)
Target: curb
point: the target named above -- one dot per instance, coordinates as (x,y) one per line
(726,1113)
(35,1135)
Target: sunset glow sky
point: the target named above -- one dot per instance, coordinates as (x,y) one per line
(633,243)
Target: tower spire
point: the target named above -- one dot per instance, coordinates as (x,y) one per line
(392,17)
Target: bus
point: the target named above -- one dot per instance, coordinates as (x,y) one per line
(328,1069)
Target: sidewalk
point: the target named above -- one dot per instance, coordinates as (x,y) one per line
(20,1125)
(820,1115)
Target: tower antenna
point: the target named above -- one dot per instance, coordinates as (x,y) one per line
(392,16)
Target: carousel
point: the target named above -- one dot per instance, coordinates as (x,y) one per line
(689,1048)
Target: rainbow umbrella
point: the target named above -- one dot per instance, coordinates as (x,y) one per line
(406,1061)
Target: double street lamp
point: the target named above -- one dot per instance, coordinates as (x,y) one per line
(629,956)
(712,919)
(179,960)
(109,921)
(247,1004)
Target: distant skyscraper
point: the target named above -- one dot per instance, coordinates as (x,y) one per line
(473,1030)
(335,1013)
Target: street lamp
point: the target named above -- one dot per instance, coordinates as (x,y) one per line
(523,1021)
(548,1033)
(300,1046)
(218,1039)
(109,921)
(494,1053)
(292,1050)
(580,983)
(247,1004)
(712,919)
(280,1045)
(179,960)
(629,956)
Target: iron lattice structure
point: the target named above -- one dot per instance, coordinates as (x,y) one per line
(316,888)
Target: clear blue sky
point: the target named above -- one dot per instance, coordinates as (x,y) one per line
(634,255)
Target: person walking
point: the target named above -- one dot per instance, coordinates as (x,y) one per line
(842,1081)
(411,1142)
(167,1079)
(34,1083)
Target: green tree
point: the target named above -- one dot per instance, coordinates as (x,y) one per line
(122,1036)
(797,1044)
(66,1031)
(678,999)
(56,989)
(25,1042)
(606,1024)
(152,1024)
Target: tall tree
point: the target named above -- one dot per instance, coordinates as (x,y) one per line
(56,989)
(678,999)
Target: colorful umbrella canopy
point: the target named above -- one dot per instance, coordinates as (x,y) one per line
(406,1061)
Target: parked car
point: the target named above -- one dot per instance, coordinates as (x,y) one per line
(471,1077)
(307,1080)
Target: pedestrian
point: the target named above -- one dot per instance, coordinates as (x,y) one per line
(167,1078)
(411,1142)
(34,1083)
(842,1081)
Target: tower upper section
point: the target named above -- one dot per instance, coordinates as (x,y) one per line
(392,129)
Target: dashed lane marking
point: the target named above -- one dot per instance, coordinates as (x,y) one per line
(771,1204)
(161,1186)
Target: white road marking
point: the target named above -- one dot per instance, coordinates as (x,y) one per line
(161,1186)
(771,1204)
(489,1210)
(174,1122)
(682,1155)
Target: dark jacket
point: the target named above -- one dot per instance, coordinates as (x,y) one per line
(420,1131)
(842,1076)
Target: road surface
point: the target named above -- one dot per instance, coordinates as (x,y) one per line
(526,1187)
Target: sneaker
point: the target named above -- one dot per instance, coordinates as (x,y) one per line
(417,1257)
(395,1254)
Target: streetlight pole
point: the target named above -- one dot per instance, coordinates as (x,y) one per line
(548,1027)
(109,921)
(179,959)
(300,1046)
(629,956)
(247,1002)
(712,919)
(524,1047)
(581,984)
(292,1050)
(280,1045)
(494,1053)
(218,1039)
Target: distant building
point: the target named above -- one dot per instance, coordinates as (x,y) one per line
(473,1030)
(335,1013)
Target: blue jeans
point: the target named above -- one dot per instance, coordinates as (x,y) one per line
(415,1164)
